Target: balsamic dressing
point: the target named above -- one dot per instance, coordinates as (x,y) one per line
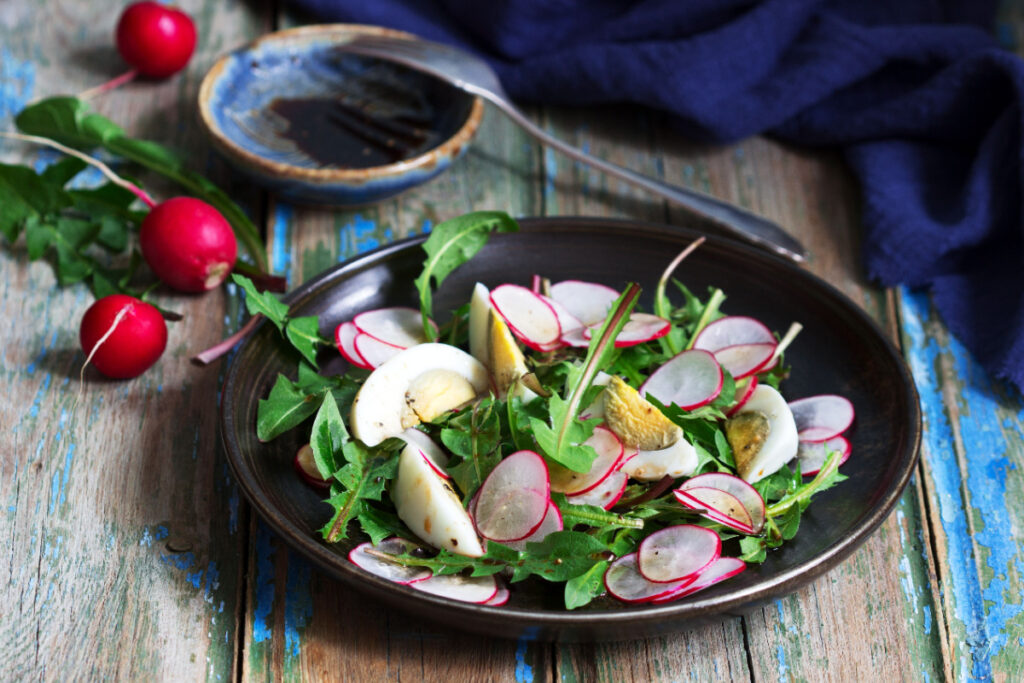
(335,133)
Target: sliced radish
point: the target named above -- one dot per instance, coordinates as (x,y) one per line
(746,494)
(640,328)
(344,339)
(576,338)
(609,454)
(305,465)
(552,523)
(431,452)
(744,390)
(374,351)
(819,418)
(588,302)
(722,569)
(718,506)
(388,570)
(475,589)
(690,379)
(398,326)
(625,582)
(514,498)
(501,597)
(678,460)
(677,553)
(572,328)
(743,360)
(732,330)
(606,494)
(529,316)
(812,454)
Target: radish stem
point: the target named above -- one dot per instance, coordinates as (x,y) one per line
(103,168)
(661,301)
(805,492)
(717,297)
(115,82)
(211,354)
(787,339)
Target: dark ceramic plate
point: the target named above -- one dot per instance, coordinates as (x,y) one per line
(841,350)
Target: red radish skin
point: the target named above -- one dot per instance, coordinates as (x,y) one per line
(344,339)
(305,465)
(122,336)
(156,39)
(188,244)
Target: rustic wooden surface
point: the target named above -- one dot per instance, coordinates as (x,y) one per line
(132,556)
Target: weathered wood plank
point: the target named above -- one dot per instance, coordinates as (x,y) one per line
(972,456)
(120,525)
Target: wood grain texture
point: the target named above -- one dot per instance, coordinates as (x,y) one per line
(120,518)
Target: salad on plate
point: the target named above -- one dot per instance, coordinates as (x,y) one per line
(553,431)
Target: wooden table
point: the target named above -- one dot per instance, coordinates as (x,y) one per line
(132,555)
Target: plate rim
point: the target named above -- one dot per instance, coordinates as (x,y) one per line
(547,624)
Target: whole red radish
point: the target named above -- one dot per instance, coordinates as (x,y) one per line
(155,39)
(188,244)
(122,336)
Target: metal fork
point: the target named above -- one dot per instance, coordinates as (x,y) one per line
(475,76)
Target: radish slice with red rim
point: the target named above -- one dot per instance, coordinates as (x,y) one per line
(732,330)
(690,379)
(588,302)
(501,597)
(678,460)
(625,582)
(819,418)
(569,324)
(305,465)
(388,570)
(536,283)
(718,506)
(529,316)
(677,553)
(746,494)
(743,360)
(576,338)
(475,589)
(722,569)
(344,339)
(609,455)
(398,326)
(374,351)
(552,523)
(640,328)
(431,452)
(513,500)
(604,495)
(812,454)
(744,390)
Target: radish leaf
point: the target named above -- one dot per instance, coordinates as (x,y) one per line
(581,589)
(474,436)
(452,243)
(262,303)
(328,436)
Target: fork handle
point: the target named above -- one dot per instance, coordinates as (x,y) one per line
(740,222)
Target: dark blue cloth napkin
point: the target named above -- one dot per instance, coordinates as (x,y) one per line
(925,104)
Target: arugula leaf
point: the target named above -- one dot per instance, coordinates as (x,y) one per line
(262,303)
(380,524)
(362,479)
(581,589)
(286,406)
(304,334)
(328,436)
(473,436)
(591,515)
(452,243)
(561,556)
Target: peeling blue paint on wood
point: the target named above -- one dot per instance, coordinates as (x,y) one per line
(298,603)
(523,672)
(17,81)
(263,585)
(983,605)
(280,260)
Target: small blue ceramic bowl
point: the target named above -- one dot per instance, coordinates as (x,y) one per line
(320,126)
